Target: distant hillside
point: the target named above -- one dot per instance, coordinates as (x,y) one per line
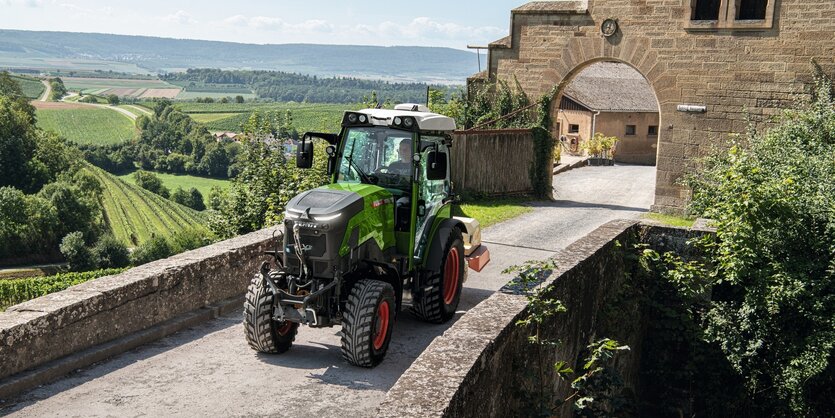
(134,214)
(30,49)
(289,87)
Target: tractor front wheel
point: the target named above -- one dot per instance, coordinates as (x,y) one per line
(367,322)
(262,332)
(440,301)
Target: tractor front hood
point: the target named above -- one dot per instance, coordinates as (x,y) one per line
(324,205)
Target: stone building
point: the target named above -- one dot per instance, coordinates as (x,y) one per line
(615,100)
(713,64)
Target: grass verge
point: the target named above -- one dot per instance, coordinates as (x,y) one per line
(671,220)
(490,211)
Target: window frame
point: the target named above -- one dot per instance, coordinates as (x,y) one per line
(571,129)
(728,11)
(650,130)
(634,130)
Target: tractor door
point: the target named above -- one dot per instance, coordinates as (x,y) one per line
(430,196)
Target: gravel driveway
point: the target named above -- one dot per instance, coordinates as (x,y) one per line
(210,371)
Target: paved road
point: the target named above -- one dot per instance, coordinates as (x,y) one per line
(209,370)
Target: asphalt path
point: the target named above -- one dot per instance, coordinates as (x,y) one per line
(210,371)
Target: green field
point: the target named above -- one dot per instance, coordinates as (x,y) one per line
(90,84)
(134,214)
(91,125)
(173,181)
(32,87)
(306,116)
(191,95)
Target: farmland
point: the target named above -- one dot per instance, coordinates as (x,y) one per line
(84,124)
(134,214)
(32,87)
(306,116)
(140,88)
(173,181)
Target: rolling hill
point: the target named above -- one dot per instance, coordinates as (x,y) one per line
(68,50)
(134,214)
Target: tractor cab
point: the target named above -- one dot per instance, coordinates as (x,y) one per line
(381,229)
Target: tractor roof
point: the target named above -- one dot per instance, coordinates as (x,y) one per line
(426,120)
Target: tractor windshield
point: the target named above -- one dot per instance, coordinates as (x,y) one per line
(376,155)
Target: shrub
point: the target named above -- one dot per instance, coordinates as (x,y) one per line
(110,253)
(189,239)
(155,248)
(773,260)
(149,181)
(76,253)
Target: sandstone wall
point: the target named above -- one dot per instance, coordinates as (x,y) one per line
(736,69)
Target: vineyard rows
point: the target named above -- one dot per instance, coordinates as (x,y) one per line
(134,214)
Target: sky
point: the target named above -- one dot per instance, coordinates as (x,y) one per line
(450,23)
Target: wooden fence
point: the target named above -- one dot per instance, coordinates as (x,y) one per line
(493,162)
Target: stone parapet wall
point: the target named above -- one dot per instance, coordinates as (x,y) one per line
(83,316)
(478,368)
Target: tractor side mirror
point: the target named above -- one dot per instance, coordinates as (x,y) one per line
(331,151)
(436,164)
(304,153)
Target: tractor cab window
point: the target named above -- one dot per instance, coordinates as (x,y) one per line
(377,155)
(431,192)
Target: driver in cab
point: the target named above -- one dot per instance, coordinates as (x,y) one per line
(402,166)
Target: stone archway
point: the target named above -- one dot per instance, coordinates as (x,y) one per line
(595,116)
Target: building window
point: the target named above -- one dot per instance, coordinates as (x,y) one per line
(751,9)
(573,129)
(652,130)
(705,9)
(630,130)
(730,14)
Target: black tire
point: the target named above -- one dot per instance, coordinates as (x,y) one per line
(438,304)
(263,333)
(367,322)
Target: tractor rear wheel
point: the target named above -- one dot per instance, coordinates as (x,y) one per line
(439,303)
(262,332)
(367,322)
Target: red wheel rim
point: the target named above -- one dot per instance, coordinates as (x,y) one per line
(451,275)
(382,327)
(285,328)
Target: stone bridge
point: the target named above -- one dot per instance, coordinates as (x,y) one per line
(472,369)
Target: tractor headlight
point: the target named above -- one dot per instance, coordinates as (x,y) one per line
(408,122)
(363,119)
(326,217)
(398,121)
(352,118)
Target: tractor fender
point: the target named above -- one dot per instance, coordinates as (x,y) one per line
(436,251)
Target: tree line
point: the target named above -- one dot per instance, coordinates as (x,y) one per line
(286,87)
(169,141)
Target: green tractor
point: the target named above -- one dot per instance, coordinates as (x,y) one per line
(380,236)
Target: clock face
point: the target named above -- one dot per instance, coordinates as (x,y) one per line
(609,27)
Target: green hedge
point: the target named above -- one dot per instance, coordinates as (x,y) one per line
(14,291)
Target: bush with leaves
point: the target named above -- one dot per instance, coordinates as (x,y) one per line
(109,252)
(772,198)
(267,181)
(149,181)
(76,253)
(156,248)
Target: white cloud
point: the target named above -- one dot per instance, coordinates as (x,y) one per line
(388,32)
(278,24)
(426,28)
(25,3)
(181,17)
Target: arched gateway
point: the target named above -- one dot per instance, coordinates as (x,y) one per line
(715,65)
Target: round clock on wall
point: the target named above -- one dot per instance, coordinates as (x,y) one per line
(609,27)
